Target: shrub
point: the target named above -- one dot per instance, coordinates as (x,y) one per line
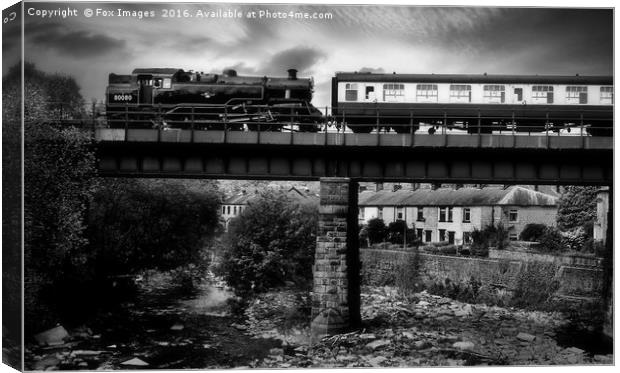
(536,284)
(551,240)
(376,230)
(532,232)
(407,277)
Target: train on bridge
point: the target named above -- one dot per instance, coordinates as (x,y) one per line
(362,102)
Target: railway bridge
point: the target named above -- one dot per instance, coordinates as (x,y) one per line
(340,161)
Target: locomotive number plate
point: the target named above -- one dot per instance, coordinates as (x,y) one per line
(122,98)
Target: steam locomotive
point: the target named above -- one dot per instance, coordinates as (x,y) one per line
(476,103)
(163,97)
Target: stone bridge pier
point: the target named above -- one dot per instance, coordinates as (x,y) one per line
(336,296)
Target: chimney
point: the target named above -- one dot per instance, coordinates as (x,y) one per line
(292,74)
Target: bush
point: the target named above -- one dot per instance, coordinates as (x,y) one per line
(407,277)
(532,232)
(536,284)
(551,240)
(376,230)
(271,242)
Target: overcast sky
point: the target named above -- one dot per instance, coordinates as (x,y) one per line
(398,38)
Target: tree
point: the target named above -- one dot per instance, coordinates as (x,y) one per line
(135,225)
(397,231)
(376,230)
(271,242)
(59,179)
(577,207)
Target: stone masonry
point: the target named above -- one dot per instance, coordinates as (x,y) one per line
(336,296)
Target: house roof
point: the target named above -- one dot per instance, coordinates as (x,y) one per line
(490,196)
(245,197)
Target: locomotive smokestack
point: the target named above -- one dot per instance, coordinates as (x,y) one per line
(292,74)
(229,73)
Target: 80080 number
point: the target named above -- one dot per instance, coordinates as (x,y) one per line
(122,97)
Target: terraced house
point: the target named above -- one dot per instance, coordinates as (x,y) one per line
(451,214)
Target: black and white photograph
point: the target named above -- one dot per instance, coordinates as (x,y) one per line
(246,185)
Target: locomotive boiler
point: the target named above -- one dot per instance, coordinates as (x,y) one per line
(475,103)
(155,97)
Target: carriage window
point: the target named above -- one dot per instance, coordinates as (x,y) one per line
(426,90)
(157,83)
(494,90)
(393,91)
(460,90)
(541,91)
(574,93)
(350,92)
(167,83)
(370,93)
(607,94)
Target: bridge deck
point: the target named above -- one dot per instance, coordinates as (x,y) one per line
(503,140)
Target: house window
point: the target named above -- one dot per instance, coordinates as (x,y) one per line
(451,237)
(543,91)
(399,213)
(428,236)
(442,214)
(350,92)
(460,91)
(235,210)
(512,236)
(228,210)
(393,92)
(420,216)
(450,211)
(607,95)
(513,216)
(426,91)
(380,212)
(466,237)
(576,94)
(466,215)
(419,233)
(223,209)
(442,235)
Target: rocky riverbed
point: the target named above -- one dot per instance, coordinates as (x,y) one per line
(163,330)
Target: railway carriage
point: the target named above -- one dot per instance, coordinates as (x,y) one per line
(477,103)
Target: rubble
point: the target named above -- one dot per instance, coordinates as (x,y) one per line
(52,337)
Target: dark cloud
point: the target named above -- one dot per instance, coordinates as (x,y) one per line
(78,44)
(300,58)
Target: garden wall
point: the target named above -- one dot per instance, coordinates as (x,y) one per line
(494,280)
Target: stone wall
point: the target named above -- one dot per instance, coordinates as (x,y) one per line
(494,276)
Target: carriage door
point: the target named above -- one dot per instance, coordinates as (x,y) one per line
(550,97)
(519,94)
(146,89)
(583,97)
(370,93)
